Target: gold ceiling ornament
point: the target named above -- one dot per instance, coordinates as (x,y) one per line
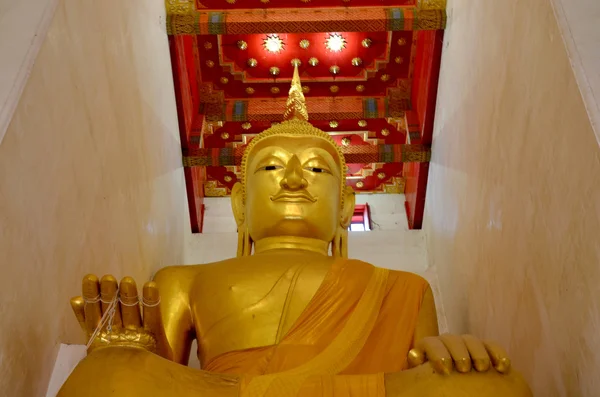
(275,90)
(273,43)
(227,178)
(250,90)
(274,71)
(295,106)
(362,123)
(305,89)
(335,42)
(401,41)
(334,70)
(224,80)
(246,126)
(313,61)
(210,63)
(304,44)
(231,1)
(360,184)
(381,175)
(265,1)
(398,60)
(360,88)
(346,141)
(356,61)
(334,124)
(385,77)
(334,89)
(305,1)
(296,62)
(385,132)
(366,43)
(224,135)
(207,45)
(252,62)
(242,45)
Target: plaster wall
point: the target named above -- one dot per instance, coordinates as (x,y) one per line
(513,204)
(90,176)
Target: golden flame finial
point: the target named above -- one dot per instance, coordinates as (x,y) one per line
(295,107)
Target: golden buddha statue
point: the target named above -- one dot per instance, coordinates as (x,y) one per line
(290,315)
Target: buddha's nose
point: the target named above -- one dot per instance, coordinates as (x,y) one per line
(293,178)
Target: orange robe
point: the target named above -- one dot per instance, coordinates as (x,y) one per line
(359,324)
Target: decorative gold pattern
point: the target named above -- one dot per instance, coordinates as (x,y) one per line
(211,189)
(401,41)
(227,178)
(362,123)
(224,80)
(224,135)
(366,43)
(334,124)
(356,61)
(125,337)
(385,132)
(360,184)
(242,45)
(296,62)
(274,71)
(334,70)
(360,88)
(207,45)
(246,126)
(305,89)
(346,141)
(432,4)
(249,90)
(275,90)
(295,106)
(252,62)
(385,77)
(398,60)
(334,88)
(381,175)
(210,63)
(313,61)
(230,1)
(304,44)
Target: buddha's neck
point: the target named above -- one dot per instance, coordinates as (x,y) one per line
(274,244)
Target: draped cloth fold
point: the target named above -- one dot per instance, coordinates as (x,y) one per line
(360,321)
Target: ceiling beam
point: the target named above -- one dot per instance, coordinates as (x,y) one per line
(310,20)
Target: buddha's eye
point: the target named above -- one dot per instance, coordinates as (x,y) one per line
(317,170)
(270,168)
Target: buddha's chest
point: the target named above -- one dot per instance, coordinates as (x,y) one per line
(241,307)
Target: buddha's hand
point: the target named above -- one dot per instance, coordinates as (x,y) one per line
(462,353)
(110,315)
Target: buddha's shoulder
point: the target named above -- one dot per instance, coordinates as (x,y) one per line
(399,276)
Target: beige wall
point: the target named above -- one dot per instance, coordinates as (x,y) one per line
(90,177)
(513,206)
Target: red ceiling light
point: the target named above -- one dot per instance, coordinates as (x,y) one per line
(273,43)
(335,42)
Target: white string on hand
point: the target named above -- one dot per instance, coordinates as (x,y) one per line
(107,317)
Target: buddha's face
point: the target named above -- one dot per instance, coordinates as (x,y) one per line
(293,189)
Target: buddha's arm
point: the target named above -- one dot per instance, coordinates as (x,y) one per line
(427,324)
(174,285)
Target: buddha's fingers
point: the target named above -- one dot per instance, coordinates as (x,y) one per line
(130,304)
(479,356)
(78,306)
(151,306)
(499,357)
(437,354)
(416,357)
(458,350)
(108,297)
(91,296)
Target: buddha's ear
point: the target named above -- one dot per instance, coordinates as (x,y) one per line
(348,209)
(237,204)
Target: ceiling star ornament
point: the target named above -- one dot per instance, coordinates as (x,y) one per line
(249,90)
(274,90)
(246,126)
(252,62)
(296,62)
(334,124)
(230,1)
(224,80)
(210,64)
(305,89)
(366,43)
(401,41)
(360,88)
(265,1)
(385,77)
(227,178)
(208,45)
(334,70)
(362,123)
(224,135)
(398,60)
(346,141)
(356,61)
(381,175)
(334,89)
(274,71)
(273,43)
(313,61)
(335,42)
(304,44)
(385,132)
(360,184)
(242,45)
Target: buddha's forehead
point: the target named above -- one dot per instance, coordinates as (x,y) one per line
(302,146)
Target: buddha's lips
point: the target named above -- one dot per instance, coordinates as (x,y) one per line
(293,197)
